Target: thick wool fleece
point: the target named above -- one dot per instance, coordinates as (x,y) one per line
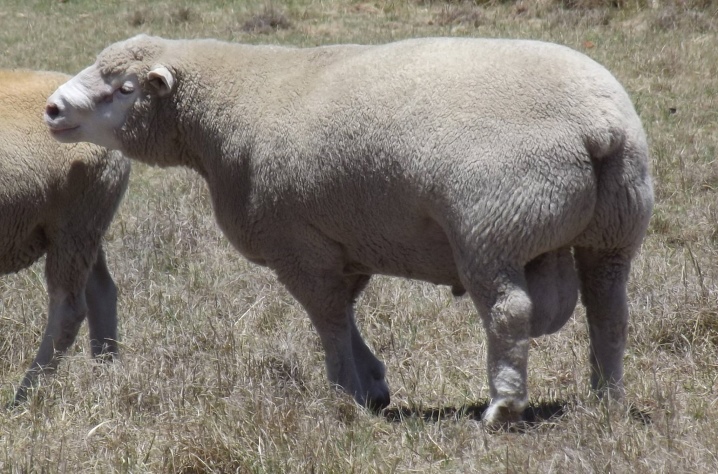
(487,165)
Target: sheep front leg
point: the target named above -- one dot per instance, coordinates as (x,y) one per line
(66,271)
(350,364)
(370,370)
(604,277)
(66,313)
(339,357)
(101,294)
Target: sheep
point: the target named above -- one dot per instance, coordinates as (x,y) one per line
(513,170)
(57,200)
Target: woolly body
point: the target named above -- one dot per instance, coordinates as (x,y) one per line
(473,163)
(58,200)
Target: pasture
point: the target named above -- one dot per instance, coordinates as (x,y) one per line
(220,368)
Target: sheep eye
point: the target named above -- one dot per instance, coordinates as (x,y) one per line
(126,89)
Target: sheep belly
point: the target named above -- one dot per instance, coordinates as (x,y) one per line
(426,257)
(21,252)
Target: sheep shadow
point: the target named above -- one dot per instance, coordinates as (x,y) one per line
(535,415)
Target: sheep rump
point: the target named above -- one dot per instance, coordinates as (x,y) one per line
(486,165)
(57,200)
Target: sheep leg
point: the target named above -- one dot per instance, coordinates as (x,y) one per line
(604,277)
(335,332)
(370,370)
(507,323)
(349,363)
(66,272)
(67,310)
(101,294)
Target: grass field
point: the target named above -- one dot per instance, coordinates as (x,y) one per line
(221,370)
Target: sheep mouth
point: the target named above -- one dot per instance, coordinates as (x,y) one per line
(64,134)
(59,129)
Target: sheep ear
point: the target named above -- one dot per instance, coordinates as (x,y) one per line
(162,80)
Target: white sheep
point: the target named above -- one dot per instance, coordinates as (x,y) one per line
(486,165)
(57,200)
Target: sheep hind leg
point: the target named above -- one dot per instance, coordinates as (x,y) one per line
(603,277)
(101,294)
(507,317)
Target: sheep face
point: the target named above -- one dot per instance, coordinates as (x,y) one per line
(113,102)
(91,108)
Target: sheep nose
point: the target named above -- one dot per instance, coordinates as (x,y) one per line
(52,110)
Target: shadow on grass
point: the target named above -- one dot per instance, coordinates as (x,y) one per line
(641,416)
(534,415)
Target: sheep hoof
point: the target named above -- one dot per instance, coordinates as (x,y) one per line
(376,405)
(502,415)
(378,397)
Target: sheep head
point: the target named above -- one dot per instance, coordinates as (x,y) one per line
(118,102)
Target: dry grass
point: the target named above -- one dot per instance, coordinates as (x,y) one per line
(270,19)
(221,371)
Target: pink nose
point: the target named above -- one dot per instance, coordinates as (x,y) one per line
(52,110)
